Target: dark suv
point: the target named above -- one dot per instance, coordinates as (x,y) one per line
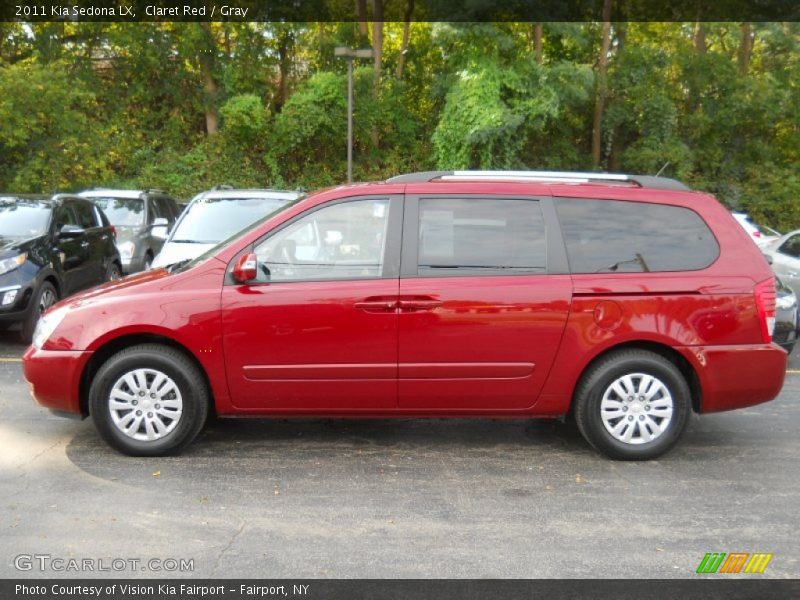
(142,219)
(50,247)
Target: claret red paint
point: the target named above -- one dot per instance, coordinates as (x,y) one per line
(627,302)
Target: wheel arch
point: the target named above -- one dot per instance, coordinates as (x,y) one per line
(110,347)
(684,366)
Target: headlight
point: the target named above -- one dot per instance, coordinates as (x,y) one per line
(9,264)
(47,325)
(786,302)
(126,250)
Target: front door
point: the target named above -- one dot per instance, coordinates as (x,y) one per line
(317,330)
(73,252)
(481,314)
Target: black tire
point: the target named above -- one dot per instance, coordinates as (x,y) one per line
(43,298)
(598,379)
(113,272)
(173,363)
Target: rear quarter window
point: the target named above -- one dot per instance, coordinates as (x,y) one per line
(611,236)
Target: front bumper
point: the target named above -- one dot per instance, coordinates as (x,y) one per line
(55,377)
(733,377)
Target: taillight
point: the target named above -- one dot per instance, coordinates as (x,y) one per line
(114,231)
(765,302)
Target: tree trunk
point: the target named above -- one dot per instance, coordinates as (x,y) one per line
(617,141)
(745,48)
(284,48)
(208,51)
(401,61)
(377,53)
(537,42)
(600,98)
(361,11)
(700,38)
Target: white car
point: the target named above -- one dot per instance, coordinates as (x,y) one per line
(759,237)
(785,254)
(216,215)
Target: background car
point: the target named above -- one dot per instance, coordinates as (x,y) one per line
(49,249)
(786,318)
(216,215)
(142,219)
(761,234)
(785,255)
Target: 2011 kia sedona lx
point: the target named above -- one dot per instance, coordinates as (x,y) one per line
(626,301)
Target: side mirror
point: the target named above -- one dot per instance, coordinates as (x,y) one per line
(159,228)
(69,231)
(769,258)
(245,268)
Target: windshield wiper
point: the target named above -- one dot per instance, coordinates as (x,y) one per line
(637,259)
(177,265)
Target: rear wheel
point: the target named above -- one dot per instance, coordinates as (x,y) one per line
(148,400)
(43,299)
(633,405)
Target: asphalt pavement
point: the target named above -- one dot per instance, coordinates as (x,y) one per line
(394,498)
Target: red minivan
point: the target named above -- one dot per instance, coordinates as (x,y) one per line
(625,301)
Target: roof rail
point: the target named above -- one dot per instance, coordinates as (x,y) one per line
(645,181)
(153,191)
(222,186)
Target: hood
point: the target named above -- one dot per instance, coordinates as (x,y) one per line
(173,252)
(113,288)
(11,246)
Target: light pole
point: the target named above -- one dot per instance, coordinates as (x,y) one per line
(349,54)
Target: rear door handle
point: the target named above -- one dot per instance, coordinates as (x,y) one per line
(376,305)
(420,304)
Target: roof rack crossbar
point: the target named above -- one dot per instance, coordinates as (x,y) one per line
(645,181)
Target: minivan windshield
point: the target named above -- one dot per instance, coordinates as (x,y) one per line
(211,220)
(19,219)
(122,212)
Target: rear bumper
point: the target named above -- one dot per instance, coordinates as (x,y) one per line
(733,377)
(55,378)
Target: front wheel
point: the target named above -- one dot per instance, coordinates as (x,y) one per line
(149,400)
(43,299)
(633,405)
(113,272)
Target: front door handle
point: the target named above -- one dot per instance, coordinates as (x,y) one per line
(377,305)
(419,303)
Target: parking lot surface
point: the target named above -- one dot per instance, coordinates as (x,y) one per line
(398,498)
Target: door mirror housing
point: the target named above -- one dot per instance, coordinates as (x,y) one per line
(159,228)
(246,268)
(69,231)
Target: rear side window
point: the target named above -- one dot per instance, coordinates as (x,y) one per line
(480,236)
(610,236)
(85,213)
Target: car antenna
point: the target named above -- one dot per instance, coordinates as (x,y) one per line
(661,170)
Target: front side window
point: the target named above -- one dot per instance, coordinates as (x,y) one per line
(791,247)
(343,241)
(480,236)
(611,236)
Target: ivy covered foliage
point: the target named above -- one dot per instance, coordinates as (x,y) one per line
(186,106)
